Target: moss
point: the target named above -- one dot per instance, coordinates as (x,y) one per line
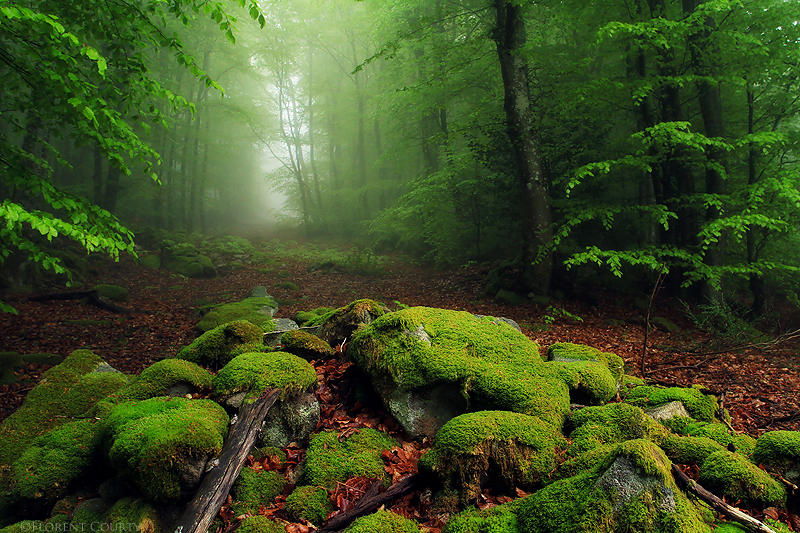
(66,391)
(213,348)
(159,377)
(612,423)
(685,450)
(329,460)
(46,469)
(383,522)
(88,512)
(567,351)
(305,345)
(255,488)
(589,382)
(734,476)
(718,432)
(308,503)
(269,451)
(494,365)
(779,449)
(115,293)
(255,372)
(150,261)
(313,317)
(129,514)
(586,503)
(260,524)
(26,526)
(341,323)
(156,442)
(255,310)
(700,406)
(507,449)
(500,519)
(185,259)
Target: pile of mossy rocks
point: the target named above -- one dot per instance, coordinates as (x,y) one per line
(591,445)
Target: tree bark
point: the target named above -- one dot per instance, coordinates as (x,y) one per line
(537,232)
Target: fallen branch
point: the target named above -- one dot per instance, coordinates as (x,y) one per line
(91,295)
(715,502)
(208,500)
(368,504)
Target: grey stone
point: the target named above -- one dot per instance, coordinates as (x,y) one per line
(293,420)
(623,483)
(508,321)
(180,389)
(667,411)
(282,325)
(419,334)
(105,367)
(422,412)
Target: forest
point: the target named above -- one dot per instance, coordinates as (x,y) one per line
(458,266)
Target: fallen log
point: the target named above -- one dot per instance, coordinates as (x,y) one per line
(368,504)
(92,295)
(750,523)
(214,488)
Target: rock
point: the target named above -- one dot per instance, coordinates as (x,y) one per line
(214,349)
(567,352)
(699,405)
(611,424)
(667,411)
(780,450)
(342,323)
(422,412)
(732,475)
(168,377)
(292,420)
(330,460)
(258,311)
(508,321)
(305,345)
(254,489)
(253,373)
(308,503)
(623,483)
(185,259)
(282,325)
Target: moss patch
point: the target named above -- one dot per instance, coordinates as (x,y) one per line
(685,450)
(701,406)
(567,351)
(309,503)
(255,310)
(162,444)
(305,345)
(734,476)
(255,488)
(328,460)
(500,519)
(213,348)
(255,372)
(612,423)
(383,522)
(260,524)
(780,450)
(158,378)
(494,365)
(313,317)
(127,514)
(589,382)
(718,432)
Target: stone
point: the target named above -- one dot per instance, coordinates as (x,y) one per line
(508,321)
(282,325)
(667,411)
(292,420)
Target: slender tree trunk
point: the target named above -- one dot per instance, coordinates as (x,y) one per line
(756,280)
(311,158)
(537,233)
(361,148)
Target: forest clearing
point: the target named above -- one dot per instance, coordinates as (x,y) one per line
(452,266)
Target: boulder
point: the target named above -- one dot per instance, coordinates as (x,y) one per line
(780,450)
(305,345)
(185,259)
(611,424)
(258,311)
(343,322)
(291,420)
(331,460)
(567,352)
(282,325)
(699,405)
(733,475)
(667,410)
(308,503)
(254,488)
(168,377)
(213,349)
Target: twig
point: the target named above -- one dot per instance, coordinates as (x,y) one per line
(715,502)
(656,286)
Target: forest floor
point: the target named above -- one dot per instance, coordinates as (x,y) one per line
(761,384)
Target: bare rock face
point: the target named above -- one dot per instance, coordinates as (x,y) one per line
(667,411)
(422,412)
(292,420)
(623,482)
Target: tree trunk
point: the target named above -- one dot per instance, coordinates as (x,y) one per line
(537,233)
(756,280)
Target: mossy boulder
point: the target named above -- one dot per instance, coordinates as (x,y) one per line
(499,519)
(164,444)
(330,460)
(312,317)
(430,365)
(255,488)
(213,349)
(685,450)
(589,382)
(343,322)
(308,503)
(65,392)
(715,431)
(500,449)
(260,524)
(699,405)
(731,474)
(305,345)
(129,514)
(631,489)
(250,374)
(168,377)
(255,310)
(383,522)
(609,424)
(567,352)
(293,419)
(187,260)
(780,450)
(115,293)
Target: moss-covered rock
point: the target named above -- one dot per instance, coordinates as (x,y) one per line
(499,519)
(612,423)
(329,460)
(164,444)
(214,348)
(185,259)
(700,406)
(260,524)
(305,345)
(716,431)
(737,478)
(45,470)
(568,352)
(313,317)
(255,310)
(501,448)
(293,419)
(631,489)
(255,488)
(88,512)
(383,522)
(589,382)
(168,377)
(129,514)
(780,450)
(685,450)
(249,374)
(308,503)
(475,363)
(115,293)
(343,322)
